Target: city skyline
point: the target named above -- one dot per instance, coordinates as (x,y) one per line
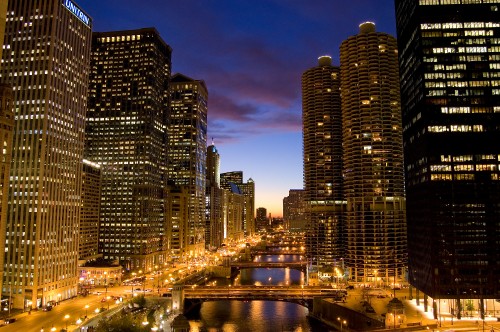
(251,59)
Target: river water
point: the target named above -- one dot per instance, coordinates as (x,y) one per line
(257,316)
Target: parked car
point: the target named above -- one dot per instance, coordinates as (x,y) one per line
(47,308)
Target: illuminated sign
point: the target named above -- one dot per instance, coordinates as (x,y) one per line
(75,10)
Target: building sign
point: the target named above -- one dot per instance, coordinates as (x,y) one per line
(73,8)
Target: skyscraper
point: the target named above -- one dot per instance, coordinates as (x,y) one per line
(6,133)
(294,210)
(235,178)
(449,53)
(214,220)
(47,65)
(126,136)
(187,146)
(373,157)
(322,137)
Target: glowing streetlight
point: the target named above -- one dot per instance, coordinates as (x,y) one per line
(66,317)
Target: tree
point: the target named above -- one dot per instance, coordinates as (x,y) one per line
(119,323)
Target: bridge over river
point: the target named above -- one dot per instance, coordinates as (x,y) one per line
(301,265)
(187,298)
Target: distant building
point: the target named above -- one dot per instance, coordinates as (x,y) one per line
(323,180)
(187,148)
(449,57)
(229,179)
(214,219)
(47,65)
(373,157)
(261,219)
(126,135)
(88,248)
(233,212)
(294,210)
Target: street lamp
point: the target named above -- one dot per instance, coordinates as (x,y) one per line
(66,317)
(86,310)
(342,322)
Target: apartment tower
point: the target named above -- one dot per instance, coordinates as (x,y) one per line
(46,61)
(449,54)
(373,157)
(187,153)
(126,136)
(322,138)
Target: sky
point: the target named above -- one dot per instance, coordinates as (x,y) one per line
(251,55)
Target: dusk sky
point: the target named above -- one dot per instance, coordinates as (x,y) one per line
(251,55)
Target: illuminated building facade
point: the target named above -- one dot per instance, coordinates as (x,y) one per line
(46,61)
(322,139)
(187,148)
(177,214)
(294,210)
(6,133)
(373,157)
(235,178)
(89,219)
(449,53)
(126,136)
(233,213)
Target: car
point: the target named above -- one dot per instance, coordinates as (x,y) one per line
(9,321)
(350,287)
(47,308)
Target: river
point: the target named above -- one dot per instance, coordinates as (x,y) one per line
(257,316)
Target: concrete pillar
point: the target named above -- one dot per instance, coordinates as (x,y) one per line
(418,296)
(178,297)
(426,306)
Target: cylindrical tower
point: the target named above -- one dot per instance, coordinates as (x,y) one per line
(373,157)
(322,135)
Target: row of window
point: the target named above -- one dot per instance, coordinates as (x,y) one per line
(455,128)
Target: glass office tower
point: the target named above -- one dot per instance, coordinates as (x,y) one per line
(449,54)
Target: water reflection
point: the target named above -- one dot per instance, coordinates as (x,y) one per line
(257,316)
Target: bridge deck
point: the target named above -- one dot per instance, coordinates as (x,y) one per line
(260,292)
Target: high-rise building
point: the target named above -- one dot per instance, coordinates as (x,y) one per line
(294,210)
(235,178)
(3,20)
(322,138)
(228,178)
(248,191)
(261,219)
(126,136)
(89,218)
(6,133)
(177,213)
(373,157)
(47,65)
(233,213)
(214,219)
(449,55)
(187,148)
